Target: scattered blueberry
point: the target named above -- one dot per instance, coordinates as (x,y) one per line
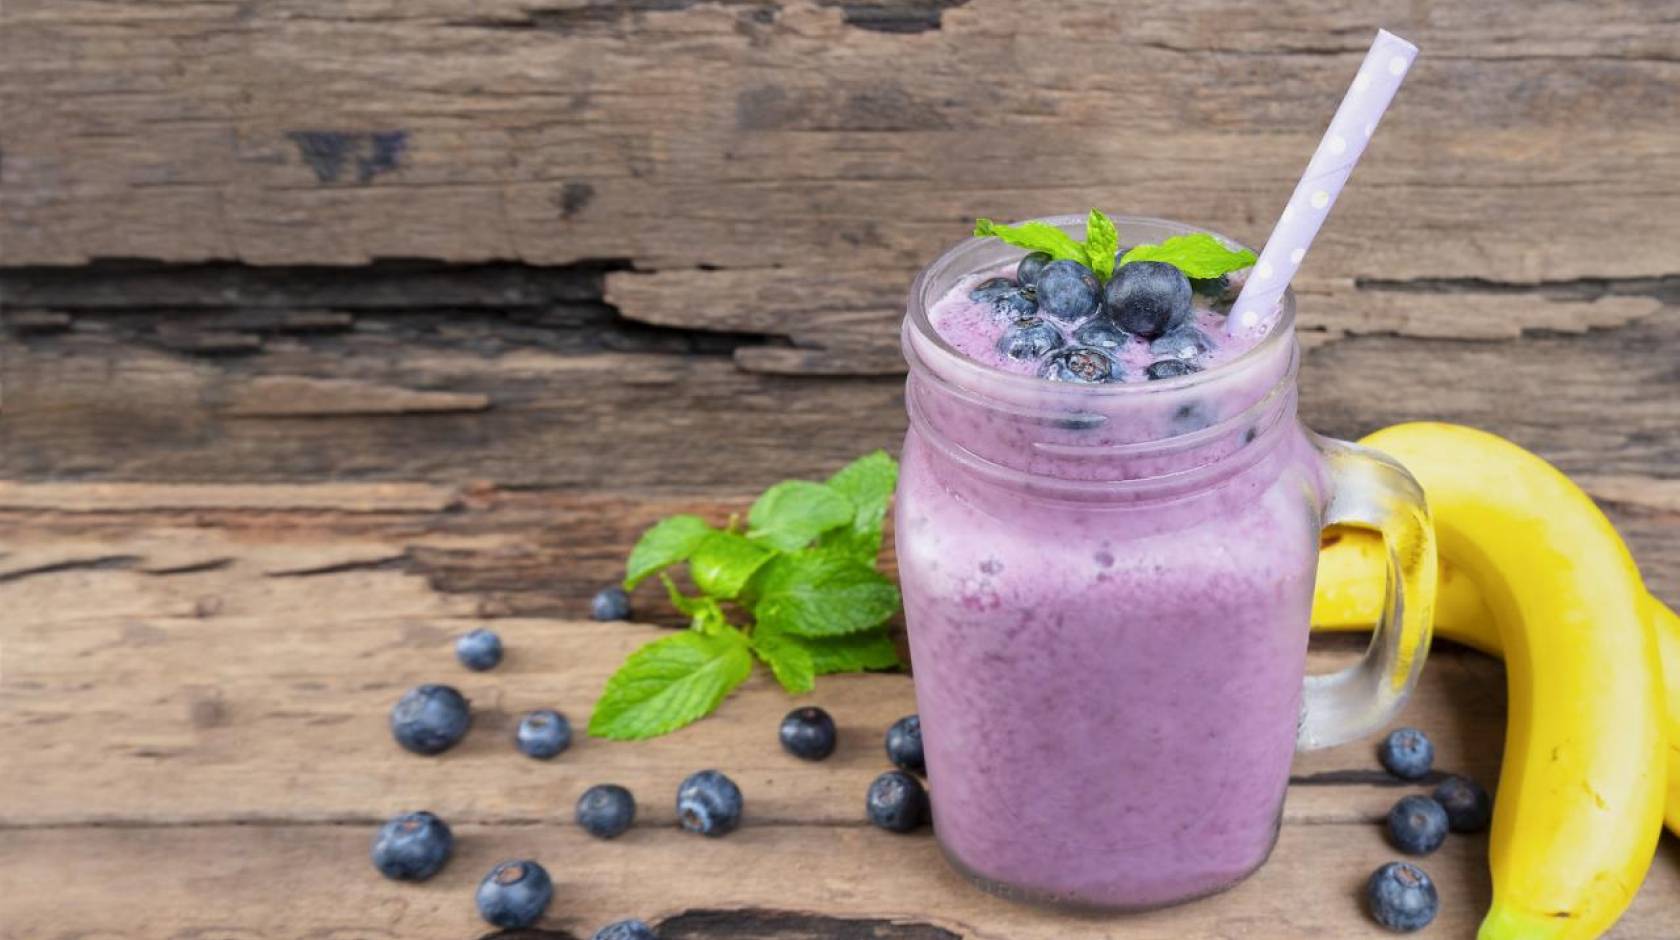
(430,719)
(543,733)
(1170,369)
(626,930)
(515,894)
(1148,297)
(1079,364)
(610,603)
(1468,806)
(1417,825)
(1182,342)
(1401,897)
(479,650)
(606,810)
(1210,286)
(1068,291)
(412,847)
(709,803)
(1102,333)
(808,733)
(1028,338)
(1407,753)
(904,744)
(897,802)
(1031,266)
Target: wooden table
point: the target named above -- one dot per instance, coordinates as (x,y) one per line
(332,329)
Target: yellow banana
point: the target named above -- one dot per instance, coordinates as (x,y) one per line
(1580,796)
(1349,597)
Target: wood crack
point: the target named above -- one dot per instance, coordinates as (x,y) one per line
(98,563)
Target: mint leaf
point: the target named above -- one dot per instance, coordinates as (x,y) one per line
(670,683)
(868,483)
(787,659)
(1102,243)
(725,561)
(792,513)
(1199,256)
(667,543)
(871,649)
(1033,236)
(821,593)
(704,613)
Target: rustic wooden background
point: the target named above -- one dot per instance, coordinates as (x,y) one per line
(331,327)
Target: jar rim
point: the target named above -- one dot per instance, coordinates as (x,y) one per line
(957,367)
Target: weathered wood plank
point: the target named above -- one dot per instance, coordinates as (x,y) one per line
(297,882)
(327,132)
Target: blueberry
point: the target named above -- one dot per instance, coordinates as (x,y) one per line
(1148,297)
(1029,338)
(1407,753)
(1468,806)
(1080,364)
(808,733)
(515,894)
(1210,286)
(412,847)
(479,650)
(1031,266)
(430,719)
(709,803)
(1182,342)
(606,810)
(1005,297)
(904,744)
(610,603)
(1417,825)
(543,733)
(897,802)
(1102,333)
(1401,897)
(626,930)
(1068,291)
(1170,369)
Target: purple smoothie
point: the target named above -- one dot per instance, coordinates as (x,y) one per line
(1107,590)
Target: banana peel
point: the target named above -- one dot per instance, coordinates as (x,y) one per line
(1582,786)
(1349,598)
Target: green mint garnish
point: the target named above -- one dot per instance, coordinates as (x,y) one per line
(1097,252)
(1033,236)
(1102,243)
(666,544)
(670,683)
(1199,256)
(804,571)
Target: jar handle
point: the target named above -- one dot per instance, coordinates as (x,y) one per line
(1370,490)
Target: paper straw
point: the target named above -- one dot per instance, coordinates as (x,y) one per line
(1379,77)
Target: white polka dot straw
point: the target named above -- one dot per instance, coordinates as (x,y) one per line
(1379,77)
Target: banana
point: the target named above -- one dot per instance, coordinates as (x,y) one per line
(1581,788)
(1349,597)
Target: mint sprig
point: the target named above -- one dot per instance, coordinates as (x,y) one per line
(1097,251)
(804,571)
(1199,256)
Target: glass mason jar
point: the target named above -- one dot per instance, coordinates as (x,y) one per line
(1108,592)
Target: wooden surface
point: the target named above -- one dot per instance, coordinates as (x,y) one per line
(334,328)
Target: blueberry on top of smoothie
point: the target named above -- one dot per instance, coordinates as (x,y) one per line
(1182,342)
(1148,297)
(1004,297)
(1170,369)
(1102,333)
(1029,338)
(1068,291)
(1080,364)
(1032,264)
